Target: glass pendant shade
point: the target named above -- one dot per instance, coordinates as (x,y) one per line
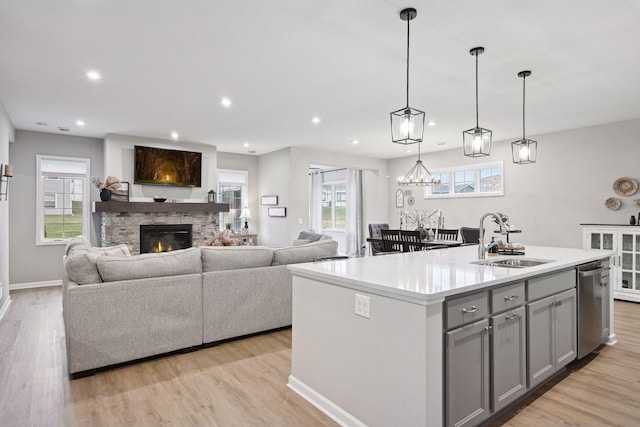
(524,150)
(418,175)
(477,141)
(407,126)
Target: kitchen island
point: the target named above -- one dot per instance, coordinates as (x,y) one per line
(403,339)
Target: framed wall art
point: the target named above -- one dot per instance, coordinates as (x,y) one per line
(278,212)
(269,200)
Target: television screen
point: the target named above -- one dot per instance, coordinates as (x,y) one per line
(159,166)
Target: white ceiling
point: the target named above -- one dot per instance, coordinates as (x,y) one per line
(166,64)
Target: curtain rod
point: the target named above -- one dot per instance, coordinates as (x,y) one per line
(330,170)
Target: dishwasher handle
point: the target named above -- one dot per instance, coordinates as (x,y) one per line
(589,273)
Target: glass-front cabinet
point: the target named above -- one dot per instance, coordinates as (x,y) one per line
(625,266)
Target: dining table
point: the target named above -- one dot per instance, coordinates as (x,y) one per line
(427,243)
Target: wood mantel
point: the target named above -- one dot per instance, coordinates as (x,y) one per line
(156,207)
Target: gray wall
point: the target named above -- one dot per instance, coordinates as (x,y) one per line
(275,179)
(29,263)
(568,185)
(6,135)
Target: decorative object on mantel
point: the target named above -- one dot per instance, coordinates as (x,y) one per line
(211,197)
(120,193)
(6,172)
(477,140)
(160,199)
(407,124)
(106,187)
(269,200)
(632,220)
(613,203)
(625,186)
(524,150)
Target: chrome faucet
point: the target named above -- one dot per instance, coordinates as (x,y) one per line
(482,249)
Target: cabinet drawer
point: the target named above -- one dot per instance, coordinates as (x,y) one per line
(507,297)
(463,310)
(550,284)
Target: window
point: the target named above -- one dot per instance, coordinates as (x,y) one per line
(62,195)
(334,206)
(232,189)
(468,181)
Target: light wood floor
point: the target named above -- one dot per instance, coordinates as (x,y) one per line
(243,383)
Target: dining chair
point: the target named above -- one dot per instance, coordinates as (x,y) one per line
(391,241)
(447,234)
(470,235)
(411,241)
(375,233)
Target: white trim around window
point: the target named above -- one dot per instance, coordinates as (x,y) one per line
(65,168)
(479,180)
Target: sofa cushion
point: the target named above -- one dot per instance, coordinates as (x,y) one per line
(80,264)
(305,253)
(81,268)
(218,258)
(77,244)
(183,261)
(311,236)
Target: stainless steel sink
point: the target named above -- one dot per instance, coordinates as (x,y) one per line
(512,262)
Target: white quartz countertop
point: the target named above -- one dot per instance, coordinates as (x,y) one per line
(429,276)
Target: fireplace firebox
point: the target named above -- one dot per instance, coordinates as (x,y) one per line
(165,237)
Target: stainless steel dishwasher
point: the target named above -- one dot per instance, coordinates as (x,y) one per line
(593,285)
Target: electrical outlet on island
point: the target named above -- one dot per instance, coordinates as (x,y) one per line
(363,306)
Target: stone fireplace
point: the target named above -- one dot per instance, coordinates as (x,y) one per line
(165,238)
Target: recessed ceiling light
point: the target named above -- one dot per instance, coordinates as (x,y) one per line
(441,143)
(93,75)
(246,144)
(315,120)
(79,123)
(354,141)
(431,123)
(226,102)
(174,135)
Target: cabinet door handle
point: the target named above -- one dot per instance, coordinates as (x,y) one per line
(557,303)
(511,298)
(473,309)
(487,329)
(511,316)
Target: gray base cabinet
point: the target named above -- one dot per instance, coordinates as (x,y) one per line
(509,357)
(552,332)
(467,374)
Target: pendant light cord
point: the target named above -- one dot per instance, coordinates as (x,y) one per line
(408,20)
(523,104)
(476,55)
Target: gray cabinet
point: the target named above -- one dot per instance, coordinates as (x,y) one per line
(467,374)
(552,335)
(509,357)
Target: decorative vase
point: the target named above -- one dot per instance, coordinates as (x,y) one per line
(105,194)
(423,233)
(632,220)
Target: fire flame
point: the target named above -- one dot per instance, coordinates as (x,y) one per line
(159,248)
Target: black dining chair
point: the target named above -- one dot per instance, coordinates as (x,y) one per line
(447,234)
(411,241)
(470,235)
(375,233)
(391,241)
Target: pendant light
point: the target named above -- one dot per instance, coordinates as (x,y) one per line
(524,150)
(407,124)
(477,140)
(418,175)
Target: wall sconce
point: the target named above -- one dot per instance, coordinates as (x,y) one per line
(6,172)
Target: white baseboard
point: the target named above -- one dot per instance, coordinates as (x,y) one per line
(30,285)
(329,408)
(5,307)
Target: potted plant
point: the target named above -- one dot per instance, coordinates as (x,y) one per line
(111,183)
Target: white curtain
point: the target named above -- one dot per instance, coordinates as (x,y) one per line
(315,201)
(354,235)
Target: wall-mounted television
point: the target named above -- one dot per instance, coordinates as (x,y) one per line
(159,166)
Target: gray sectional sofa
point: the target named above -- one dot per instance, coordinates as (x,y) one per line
(118,308)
